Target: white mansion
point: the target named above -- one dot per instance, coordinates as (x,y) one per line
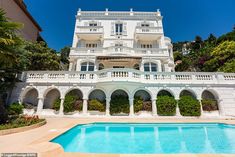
(126,53)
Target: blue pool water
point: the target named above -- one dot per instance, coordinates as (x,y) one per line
(118,138)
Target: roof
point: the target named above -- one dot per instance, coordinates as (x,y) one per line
(21,4)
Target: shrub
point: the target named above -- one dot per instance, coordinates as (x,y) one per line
(138,104)
(141,105)
(147,105)
(96,105)
(71,103)
(189,106)
(15,109)
(119,104)
(209,105)
(166,106)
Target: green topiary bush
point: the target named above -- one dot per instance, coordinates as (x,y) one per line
(209,105)
(166,106)
(189,106)
(15,109)
(96,105)
(119,104)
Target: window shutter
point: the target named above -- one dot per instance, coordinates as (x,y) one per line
(112,28)
(124,28)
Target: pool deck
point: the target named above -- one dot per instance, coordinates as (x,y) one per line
(37,140)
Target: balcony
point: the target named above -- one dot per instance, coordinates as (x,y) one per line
(148,33)
(90,32)
(127,75)
(120,51)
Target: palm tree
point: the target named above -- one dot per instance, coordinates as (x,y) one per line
(8,40)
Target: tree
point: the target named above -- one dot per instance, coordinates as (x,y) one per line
(197,43)
(211,39)
(64,54)
(221,57)
(8,41)
(41,57)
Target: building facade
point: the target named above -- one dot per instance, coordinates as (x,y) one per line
(122,53)
(17,11)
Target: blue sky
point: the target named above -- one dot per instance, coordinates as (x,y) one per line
(183,19)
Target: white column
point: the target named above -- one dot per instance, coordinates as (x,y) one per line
(221,110)
(61,112)
(107,112)
(40,105)
(70,66)
(154,107)
(131,102)
(177,108)
(200,101)
(84,108)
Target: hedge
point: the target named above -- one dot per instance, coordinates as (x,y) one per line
(209,105)
(96,105)
(166,105)
(138,104)
(119,104)
(189,106)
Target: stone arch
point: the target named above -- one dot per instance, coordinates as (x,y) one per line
(165,92)
(50,96)
(121,89)
(187,92)
(145,97)
(211,97)
(77,96)
(119,102)
(98,94)
(75,91)
(144,94)
(30,97)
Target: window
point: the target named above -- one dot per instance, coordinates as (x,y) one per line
(137,67)
(92,24)
(87,66)
(91,45)
(150,67)
(146,46)
(119,28)
(101,66)
(144,25)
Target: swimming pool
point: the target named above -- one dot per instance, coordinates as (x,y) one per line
(162,138)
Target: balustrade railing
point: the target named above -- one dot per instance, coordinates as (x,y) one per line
(128,75)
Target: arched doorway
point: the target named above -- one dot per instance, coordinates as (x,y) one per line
(119,104)
(209,101)
(97,102)
(73,101)
(30,99)
(142,101)
(50,98)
